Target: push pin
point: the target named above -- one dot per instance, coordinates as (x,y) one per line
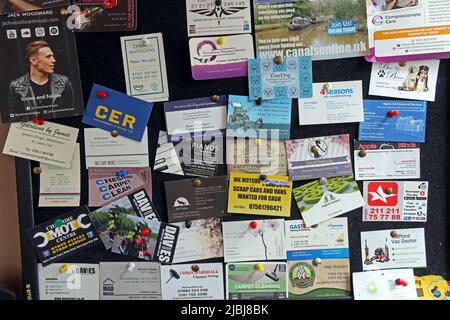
(109,4)
(221,41)
(188,224)
(435,291)
(64,268)
(393,113)
(218,2)
(38,121)
(388,191)
(131,266)
(215,98)
(197,183)
(317,262)
(394,234)
(362,153)
(259,101)
(114,133)
(258,142)
(314,149)
(195,268)
(314,226)
(259,267)
(263,177)
(37,170)
(146,40)
(63,11)
(401,282)
(101,94)
(323,181)
(253,224)
(121,173)
(402,64)
(278,59)
(327,86)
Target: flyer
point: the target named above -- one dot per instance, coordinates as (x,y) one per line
(41,78)
(326,29)
(432,288)
(260,281)
(400,201)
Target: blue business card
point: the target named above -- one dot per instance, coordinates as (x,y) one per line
(393,120)
(112,110)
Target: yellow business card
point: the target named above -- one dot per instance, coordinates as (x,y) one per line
(432,287)
(259,194)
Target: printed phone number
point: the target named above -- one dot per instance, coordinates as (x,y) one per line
(383,214)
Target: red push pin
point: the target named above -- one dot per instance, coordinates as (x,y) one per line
(38,121)
(393,113)
(401,282)
(253,224)
(101,94)
(109,4)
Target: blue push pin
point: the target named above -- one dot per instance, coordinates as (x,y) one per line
(121,173)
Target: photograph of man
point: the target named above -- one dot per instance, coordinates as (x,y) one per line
(17,5)
(40,88)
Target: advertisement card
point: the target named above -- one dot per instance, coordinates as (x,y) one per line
(195,115)
(326,29)
(130,281)
(318,259)
(49,143)
(227,59)
(254,240)
(103,150)
(319,157)
(333,102)
(396,284)
(78,282)
(389,249)
(408,125)
(111,110)
(432,288)
(166,159)
(64,236)
(415,80)
(319,202)
(256,156)
(134,236)
(259,195)
(210,17)
(387,160)
(41,78)
(94,17)
(407,30)
(106,185)
(289,78)
(199,240)
(245,282)
(61,187)
(28,5)
(270,120)
(144,64)
(192,282)
(405,201)
(193,199)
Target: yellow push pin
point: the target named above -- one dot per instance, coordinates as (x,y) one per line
(221,41)
(64,268)
(259,267)
(258,142)
(327,86)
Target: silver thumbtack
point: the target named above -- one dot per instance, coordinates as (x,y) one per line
(131,266)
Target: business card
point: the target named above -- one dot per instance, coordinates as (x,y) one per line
(259,195)
(269,120)
(319,157)
(415,80)
(192,282)
(195,116)
(318,259)
(219,58)
(130,281)
(144,65)
(61,187)
(106,185)
(258,156)
(395,284)
(432,287)
(63,282)
(395,248)
(63,236)
(327,198)
(206,18)
(199,240)
(193,199)
(397,120)
(49,143)
(333,102)
(103,150)
(384,160)
(253,240)
(256,281)
(28,5)
(166,159)
(405,201)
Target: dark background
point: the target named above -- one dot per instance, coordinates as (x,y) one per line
(101,62)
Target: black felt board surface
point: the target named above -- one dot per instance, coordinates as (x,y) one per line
(100,62)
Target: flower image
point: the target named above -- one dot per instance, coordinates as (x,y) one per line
(261,227)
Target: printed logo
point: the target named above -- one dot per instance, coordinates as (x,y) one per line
(378,196)
(25,33)
(302,275)
(336,92)
(377,20)
(219,11)
(11,34)
(181,202)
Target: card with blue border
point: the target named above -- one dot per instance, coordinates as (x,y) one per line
(393,120)
(111,110)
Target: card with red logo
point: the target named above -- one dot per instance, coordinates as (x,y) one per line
(395,201)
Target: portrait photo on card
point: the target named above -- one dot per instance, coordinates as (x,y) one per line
(28,5)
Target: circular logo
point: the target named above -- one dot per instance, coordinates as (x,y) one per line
(377,20)
(181,202)
(202,49)
(318,148)
(302,275)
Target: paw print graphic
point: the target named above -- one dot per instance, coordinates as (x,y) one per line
(267,66)
(255,81)
(381,73)
(268,92)
(292,65)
